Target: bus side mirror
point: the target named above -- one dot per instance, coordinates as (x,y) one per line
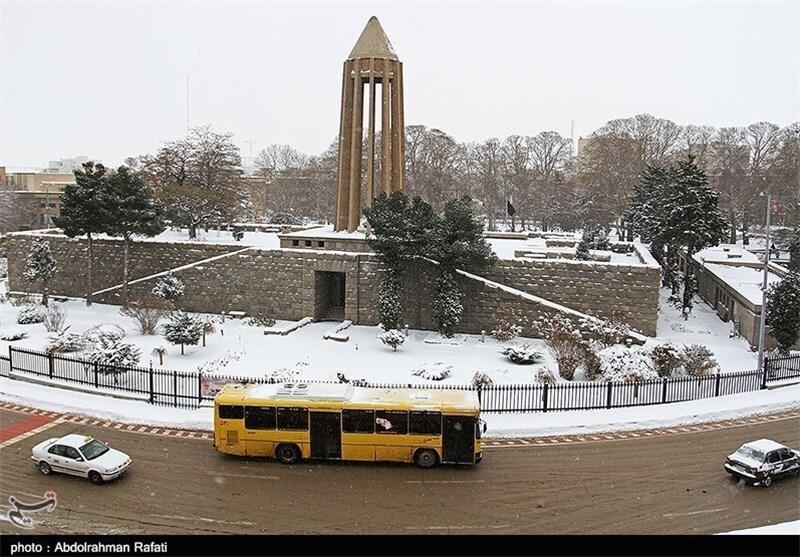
(484,427)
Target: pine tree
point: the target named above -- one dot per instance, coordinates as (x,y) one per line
(794,250)
(40,265)
(783,311)
(83,211)
(183,329)
(389,307)
(447,307)
(693,219)
(135,212)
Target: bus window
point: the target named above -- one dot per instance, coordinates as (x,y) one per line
(391,421)
(259,417)
(293,418)
(358,421)
(425,423)
(227,412)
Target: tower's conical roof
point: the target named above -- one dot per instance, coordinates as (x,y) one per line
(373,42)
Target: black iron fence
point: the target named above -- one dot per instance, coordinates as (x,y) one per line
(190,389)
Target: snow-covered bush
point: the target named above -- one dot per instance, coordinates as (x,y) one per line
(183,329)
(11,336)
(64,341)
(105,332)
(260,319)
(699,360)
(606,332)
(28,315)
(481,379)
(618,363)
(668,359)
(146,315)
(509,324)
(237,234)
(284,218)
(523,355)
(393,338)
(342,378)
(436,372)
(218,364)
(169,288)
(111,351)
(544,376)
(54,318)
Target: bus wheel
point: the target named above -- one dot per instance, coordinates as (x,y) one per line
(287,454)
(426,458)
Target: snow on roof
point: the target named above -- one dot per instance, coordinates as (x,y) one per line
(764,445)
(746,281)
(725,252)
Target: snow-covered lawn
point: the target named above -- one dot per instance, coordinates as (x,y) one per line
(248,352)
(704,327)
(303,352)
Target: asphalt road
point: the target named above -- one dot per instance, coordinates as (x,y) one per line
(650,485)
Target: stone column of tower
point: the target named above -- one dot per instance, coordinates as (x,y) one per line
(372,63)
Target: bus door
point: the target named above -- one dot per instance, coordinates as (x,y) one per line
(326,435)
(458,445)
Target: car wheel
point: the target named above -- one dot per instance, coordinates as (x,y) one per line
(95,477)
(287,454)
(44,468)
(767,481)
(426,458)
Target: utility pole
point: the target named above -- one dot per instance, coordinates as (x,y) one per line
(762,327)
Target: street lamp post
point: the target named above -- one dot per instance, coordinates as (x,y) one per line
(762,326)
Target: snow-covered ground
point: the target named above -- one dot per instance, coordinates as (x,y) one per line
(703,327)
(782,529)
(303,352)
(499,425)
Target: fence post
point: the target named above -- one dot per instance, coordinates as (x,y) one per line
(664,390)
(10,359)
(95,375)
(50,364)
(716,385)
(608,395)
(175,388)
(764,376)
(544,398)
(480,395)
(151,383)
(199,388)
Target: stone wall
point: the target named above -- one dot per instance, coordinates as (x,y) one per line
(281,283)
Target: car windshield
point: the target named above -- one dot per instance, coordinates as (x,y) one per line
(750,453)
(93,449)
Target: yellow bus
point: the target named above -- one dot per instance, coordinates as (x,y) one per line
(291,421)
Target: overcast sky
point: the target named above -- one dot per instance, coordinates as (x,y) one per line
(108,79)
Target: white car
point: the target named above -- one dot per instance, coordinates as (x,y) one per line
(80,455)
(760,462)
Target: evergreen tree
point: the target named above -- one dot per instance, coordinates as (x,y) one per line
(693,219)
(390,308)
(448,306)
(783,311)
(169,288)
(183,329)
(40,265)
(135,212)
(83,211)
(794,250)
(457,242)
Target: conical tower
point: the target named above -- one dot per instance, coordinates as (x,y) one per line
(372,65)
